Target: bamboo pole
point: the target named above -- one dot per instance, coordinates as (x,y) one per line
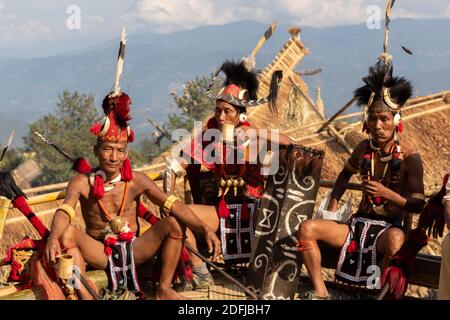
(360,113)
(58,195)
(49,197)
(49,187)
(408,117)
(62,185)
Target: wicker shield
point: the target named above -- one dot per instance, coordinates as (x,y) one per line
(289,199)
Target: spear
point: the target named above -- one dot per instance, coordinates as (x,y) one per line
(8,142)
(49,142)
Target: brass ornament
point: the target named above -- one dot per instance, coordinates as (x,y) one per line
(117,224)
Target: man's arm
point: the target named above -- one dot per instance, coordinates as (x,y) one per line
(415,201)
(270,136)
(61,219)
(179,210)
(350,168)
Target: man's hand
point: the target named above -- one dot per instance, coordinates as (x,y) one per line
(377,189)
(332,205)
(52,250)
(213,243)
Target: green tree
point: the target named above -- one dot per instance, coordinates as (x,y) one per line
(68,128)
(12,158)
(192,105)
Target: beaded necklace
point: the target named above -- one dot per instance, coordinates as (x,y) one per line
(392,161)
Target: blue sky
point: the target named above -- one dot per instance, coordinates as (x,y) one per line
(39,27)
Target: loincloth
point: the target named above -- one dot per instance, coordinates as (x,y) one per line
(121,269)
(359,257)
(236,232)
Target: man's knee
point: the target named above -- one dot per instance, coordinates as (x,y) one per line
(173,227)
(308,229)
(394,240)
(68,237)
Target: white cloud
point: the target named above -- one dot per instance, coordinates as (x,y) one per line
(323,13)
(94,20)
(172,15)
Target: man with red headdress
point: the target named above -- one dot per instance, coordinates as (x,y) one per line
(237,172)
(109,196)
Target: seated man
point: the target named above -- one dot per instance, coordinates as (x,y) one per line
(109,198)
(444,277)
(393,185)
(239,180)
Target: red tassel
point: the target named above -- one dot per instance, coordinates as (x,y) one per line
(99,187)
(245,212)
(82,166)
(108,251)
(125,170)
(126,236)
(223,211)
(21,204)
(96,128)
(398,283)
(187,263)
(352,246)
(122,107)
(378,200)
(400,127)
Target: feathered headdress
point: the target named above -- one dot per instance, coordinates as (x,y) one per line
(380,84)
(115,127)
(241,86)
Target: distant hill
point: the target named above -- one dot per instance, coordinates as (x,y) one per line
(158,64)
